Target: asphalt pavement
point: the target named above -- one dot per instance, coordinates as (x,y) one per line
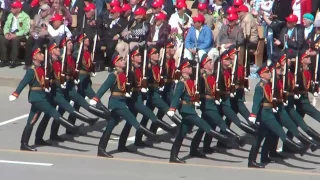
(76,158)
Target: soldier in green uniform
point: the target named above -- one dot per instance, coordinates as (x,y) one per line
(35,78)
(283,118)
(83,72)
(57,94)
(262,110)
(116,82)
(135,102)
(209,109)
(154,97)
(183,100)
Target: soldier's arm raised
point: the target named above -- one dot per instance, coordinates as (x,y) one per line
(177,95)
(27,79)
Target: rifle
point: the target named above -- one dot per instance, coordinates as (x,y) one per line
(246,69)
(273,90)
(92,67)
(63,62)
(218,92)
(145,66)
(233,74)
(315,85)
(177,73)
(296,71)
(128,74)
(77,70)
(197,94)
(285,82)
(46,69)
(163,71)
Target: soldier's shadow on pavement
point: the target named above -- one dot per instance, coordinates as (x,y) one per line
(135,151)
(210,158)
(283,162)
(293,156)
(311,154)
(56,144)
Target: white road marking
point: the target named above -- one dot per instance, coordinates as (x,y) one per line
(132,138)
(25,163)
(14,119)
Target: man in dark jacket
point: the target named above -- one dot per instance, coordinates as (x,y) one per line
(159,31)
(282,9)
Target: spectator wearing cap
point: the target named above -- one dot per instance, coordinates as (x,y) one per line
(38,31)
(301,7)
(180,21)
(135,33)
(203,9)
(156,8)
(135,4)
(15,30)
(159,31)
(126,11)
(249,26)
(199,38)
(231,33)
(111,31)
(58,7)
(218,8)
(308,26)
(36,7)
(57,28)
(291,37)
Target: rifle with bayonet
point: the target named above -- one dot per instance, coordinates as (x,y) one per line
(177,73)
(296,90)
(273,86)
(129,73)
(63,61)
(93,67)
(163,67)
(218,81)
(145,67)
(197,74)
(315,84)
(80,52)
(47,69)
(246,68)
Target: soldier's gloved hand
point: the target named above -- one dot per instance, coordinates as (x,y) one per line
(64,85)
(93,74)
(197,104)
(128,95)
(247,90)
(170,113)
(47,90)
(285,104)
(76,81)
(92,102)
(296,96)
(71,103)
(144,90)
(217,102)
(315,94)
(252,119)
(232,95)
(142,43)
(12,98)
(161,88)
(275,110)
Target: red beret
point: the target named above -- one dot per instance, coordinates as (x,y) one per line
(238,2)
(181,5)
(126,7)
(56,17)
(231,10)
(114,3)
(156,4)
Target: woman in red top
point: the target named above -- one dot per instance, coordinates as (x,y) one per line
(301,7)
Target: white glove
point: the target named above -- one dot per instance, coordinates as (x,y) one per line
(92,102)
(315,94)
(144,90)
(296,96)
(176,81)
(47,90)
(64,85)
(197,104)
(252,119)
(275,110)
(76,81)
(161,89)
(285,104)
(86,98)
(232,95)
(128,95)
(71,103)
(12,98)
(170,113)
(217,102)
(92,74)
(247,90)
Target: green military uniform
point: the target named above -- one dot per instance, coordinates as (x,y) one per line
(116,82)
(185,90)
(135,105)
(34,77)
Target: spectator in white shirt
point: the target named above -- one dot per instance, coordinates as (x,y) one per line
(57,28)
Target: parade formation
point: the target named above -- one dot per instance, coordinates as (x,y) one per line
(195,77)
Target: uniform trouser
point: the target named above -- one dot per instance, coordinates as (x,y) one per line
(135,108)
(13,45)
(188,121)
(270,124)
(64,105)
(116,115)
(213,118)
(151,104)
(303,109)
(238,107)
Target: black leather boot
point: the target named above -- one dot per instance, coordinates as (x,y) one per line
(84,118)
(176,119)
(100,113)
(69,126)
(246,128)
(254,164)
(295,147)
(103,145)
(314,134)
(151,136)
(25,138)
(306,141)
(175,150)
(166,127)
(240,140)
(220,137)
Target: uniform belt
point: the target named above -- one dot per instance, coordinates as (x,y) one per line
(168,80)
(83,72)
(225,92)
(280,100)
(303,92)
(239,86)
(69,77)
(118,94)
(290,93)
(36,88)
(186,103)
(154,85)
(207,96)
(136,89)
(266,105)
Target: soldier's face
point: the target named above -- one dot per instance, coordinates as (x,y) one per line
(266,75)
(69,45)
(137,59)
(39,57)
(155,57)
(121,63)
(279,71)
(227,62)
(209,66)
(56,51)
(187,70)
(86,42)
(170,51)
(306,61)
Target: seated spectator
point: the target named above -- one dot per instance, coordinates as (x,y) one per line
(159,32)
(231,33)
(36,7)
(57,28)
(249,26)
(199,37)
(15,30)
(59,8)
(203,9)
(308,26)
(38,31)
(156,7)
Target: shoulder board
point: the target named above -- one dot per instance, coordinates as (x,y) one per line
(32,67)
(261,84)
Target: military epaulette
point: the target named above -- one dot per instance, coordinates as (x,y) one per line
(32,67)
(261,84)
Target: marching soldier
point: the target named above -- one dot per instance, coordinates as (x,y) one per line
(154,97)
(35,77)
(262,111)
(135,103)
(209,110)
(116,82)
(183,101)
